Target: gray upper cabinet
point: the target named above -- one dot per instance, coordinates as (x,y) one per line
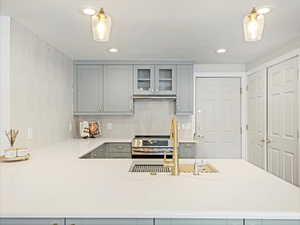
(118,90)
(88,88)
(144,79)
(109,89)
(185,90)
(155,79)
(165,79)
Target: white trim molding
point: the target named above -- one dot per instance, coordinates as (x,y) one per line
(4,77)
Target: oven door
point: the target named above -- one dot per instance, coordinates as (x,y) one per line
(151,152)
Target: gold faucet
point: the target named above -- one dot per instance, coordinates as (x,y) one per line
(173,164)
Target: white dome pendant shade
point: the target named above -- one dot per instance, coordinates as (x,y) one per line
(101,26)
(254,26)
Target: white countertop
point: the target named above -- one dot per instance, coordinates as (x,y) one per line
(55,183)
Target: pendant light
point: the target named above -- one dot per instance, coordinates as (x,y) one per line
(254,26)
(101,26)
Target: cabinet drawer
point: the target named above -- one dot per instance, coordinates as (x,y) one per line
(31,221)
(187,151)
(109,222)
(119,147)
(119,155)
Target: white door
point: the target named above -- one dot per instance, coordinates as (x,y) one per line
(283,120)
(257,118)
(218,119)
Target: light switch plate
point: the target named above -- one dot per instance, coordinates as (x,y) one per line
(109,126)
(29,134)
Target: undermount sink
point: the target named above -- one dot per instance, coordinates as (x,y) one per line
(156,167)
(144,166)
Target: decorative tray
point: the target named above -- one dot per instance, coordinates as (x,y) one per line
(15,159)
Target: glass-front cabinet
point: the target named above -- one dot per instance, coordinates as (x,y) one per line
(155,80)
(165,79)
(143,79)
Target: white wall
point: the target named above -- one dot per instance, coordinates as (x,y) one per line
(40,83)
(4,77)
(220,68)
(285,49)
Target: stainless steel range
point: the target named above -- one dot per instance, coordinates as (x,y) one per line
(151,146)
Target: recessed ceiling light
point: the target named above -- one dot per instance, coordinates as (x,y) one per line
(113,50)
(263,10)
(89,11)
(221,51)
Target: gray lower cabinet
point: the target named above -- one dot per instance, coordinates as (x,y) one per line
(185,90)
(32,221)
(110,150)
(272,222)
(118,89)
(109,221)
(198,222)
(118,150)
(88,93)
(187,151)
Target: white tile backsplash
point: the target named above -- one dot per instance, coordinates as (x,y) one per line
(150,117)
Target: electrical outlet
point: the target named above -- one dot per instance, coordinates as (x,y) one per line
(109,126)
(29,134)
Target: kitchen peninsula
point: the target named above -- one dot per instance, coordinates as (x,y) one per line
(58,184)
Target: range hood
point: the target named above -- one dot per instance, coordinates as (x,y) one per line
(154,97)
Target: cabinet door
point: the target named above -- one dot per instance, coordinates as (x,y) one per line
(143,79)
(118,82)
(165,80)
(31,221)
(198,222)
(119,147)
(187,151)
(109,222)
(119,150)
(283,113)
(272,222)
(185,90)
(88,90)
(257,118)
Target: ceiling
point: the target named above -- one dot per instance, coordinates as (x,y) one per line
(159,29)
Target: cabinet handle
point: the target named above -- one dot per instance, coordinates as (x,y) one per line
(262,140)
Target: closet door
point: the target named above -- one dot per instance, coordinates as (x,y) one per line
(257,118)
(283,120)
